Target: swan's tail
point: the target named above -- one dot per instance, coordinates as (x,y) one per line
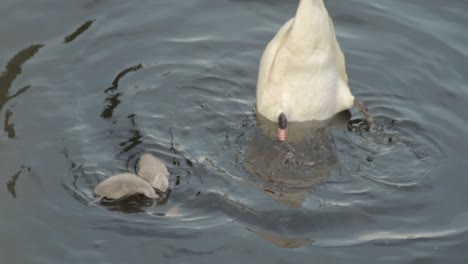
(282,130)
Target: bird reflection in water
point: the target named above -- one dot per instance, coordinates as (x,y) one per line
(285,171)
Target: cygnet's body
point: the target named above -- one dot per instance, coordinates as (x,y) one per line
(122,185)
(153,171)
(302,72)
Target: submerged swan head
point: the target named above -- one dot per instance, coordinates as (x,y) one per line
(122,185)
(153,171)
(302,72)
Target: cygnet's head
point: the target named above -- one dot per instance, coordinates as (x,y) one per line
(153,171)
(160,182)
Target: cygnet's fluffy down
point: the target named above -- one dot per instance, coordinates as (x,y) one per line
(153,171)
(302,71)
(125,184)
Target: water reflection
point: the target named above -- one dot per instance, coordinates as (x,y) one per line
(284,242)
(85,26)
(113,96)
(130,205)
(11,184)
(12,70)
(134,140)
(179,251)
(9,127)
(7,77)
(286,172)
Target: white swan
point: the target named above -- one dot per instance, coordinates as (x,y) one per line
(302,73)
(153,171)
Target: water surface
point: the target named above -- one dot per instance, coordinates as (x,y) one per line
(88,86)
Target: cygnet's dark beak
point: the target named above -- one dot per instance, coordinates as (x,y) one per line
(282,131)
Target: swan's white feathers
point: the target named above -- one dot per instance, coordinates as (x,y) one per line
(302,71)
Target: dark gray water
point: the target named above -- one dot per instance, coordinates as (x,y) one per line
(87,86)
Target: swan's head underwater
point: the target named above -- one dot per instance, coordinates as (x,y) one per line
(302,73)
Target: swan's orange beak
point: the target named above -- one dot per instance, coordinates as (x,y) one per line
(282,130)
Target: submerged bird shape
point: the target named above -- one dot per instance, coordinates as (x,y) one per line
(302,74)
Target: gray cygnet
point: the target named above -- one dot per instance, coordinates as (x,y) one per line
(125,184)
(154,171)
